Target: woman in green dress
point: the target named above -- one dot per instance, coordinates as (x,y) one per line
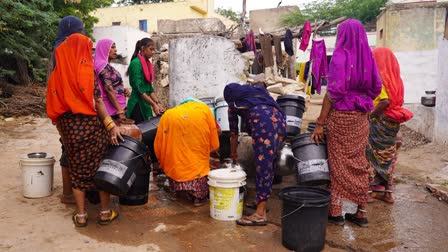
(143,101)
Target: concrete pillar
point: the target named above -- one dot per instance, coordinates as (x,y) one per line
(441,120)
(202,66)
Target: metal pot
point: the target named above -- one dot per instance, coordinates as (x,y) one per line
(285,162)
(429,100)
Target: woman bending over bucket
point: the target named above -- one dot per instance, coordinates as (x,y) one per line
(75,105)
(353,83)
(141,76)
(265,122)
(185,137)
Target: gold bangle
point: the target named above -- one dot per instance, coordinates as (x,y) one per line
(107,120)
(110,126)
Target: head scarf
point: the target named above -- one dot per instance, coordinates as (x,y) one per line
(101,58)
(390,74)
(71,83)
(67,26)
(248,96)
(353,79)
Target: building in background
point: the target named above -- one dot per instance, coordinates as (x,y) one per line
(145,16)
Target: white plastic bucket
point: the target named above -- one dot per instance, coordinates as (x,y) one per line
(222,117)
(226,193)
(37,175)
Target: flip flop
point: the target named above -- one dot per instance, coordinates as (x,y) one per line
(247,221)
(362,222)
(113,216)
(77,223)
(383,198)
(253,205)
(198,203)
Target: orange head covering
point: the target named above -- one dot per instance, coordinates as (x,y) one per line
(71,84)
(390,74)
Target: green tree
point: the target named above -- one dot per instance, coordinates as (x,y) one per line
(133,2)
(28,30)
(365,11)
(229,13)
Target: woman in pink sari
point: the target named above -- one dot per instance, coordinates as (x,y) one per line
(353,84)
(109,79)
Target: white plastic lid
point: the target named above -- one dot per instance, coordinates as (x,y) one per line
(227,174)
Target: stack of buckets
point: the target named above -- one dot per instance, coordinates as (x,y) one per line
(305,208)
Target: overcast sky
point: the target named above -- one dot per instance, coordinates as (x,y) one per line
(237,5)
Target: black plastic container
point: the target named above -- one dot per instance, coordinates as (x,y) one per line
(224,145)
(304,218)
(116,173)
(149,131)
(138,193)
(312,164)
(294,107)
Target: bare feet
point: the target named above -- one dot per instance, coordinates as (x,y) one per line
(68,199)
(386,197)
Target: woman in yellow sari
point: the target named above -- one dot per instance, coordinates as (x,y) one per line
(185,137)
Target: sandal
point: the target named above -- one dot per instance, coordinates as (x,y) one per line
(362,222)
(382,197)
(253,220)
(336,220)
(76,222)
(200,202)
(253,205)
(113,216)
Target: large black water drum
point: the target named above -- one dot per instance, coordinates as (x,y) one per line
(116,173)
(304,218)
(138,193)
(294,107)
(149,131)
(312,165)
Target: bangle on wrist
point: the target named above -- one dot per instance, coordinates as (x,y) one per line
(320,123)
(110,126)
(107,121)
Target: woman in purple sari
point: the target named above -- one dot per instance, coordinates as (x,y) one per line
(353,84)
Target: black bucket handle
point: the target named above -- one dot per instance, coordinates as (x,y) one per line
(300,207)
(122,161)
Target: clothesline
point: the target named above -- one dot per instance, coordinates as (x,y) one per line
(297,31)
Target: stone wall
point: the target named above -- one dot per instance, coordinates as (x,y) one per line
(201,67)
(269,20)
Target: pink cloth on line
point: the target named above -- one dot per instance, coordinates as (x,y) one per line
(306,34)
(318,57)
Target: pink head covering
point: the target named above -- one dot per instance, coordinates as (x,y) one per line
(353,79)
(101,58)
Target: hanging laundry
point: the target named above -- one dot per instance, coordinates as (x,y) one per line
(250,42)
(288,43)
(306,34)
(278,49)
(266,50)
(257,66)
(319,58)
(302,72)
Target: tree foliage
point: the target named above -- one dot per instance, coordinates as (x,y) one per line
(134,2)
(229,13)
(28,30)
(365,11)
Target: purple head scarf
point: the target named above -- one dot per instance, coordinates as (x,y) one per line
(102,50)
(353,79)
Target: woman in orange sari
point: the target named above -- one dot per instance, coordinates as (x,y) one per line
(75,105)
(385,122)
(185,137)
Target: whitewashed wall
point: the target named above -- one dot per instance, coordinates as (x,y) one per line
(202,67)
(125,38)
(419,73)
(441,122)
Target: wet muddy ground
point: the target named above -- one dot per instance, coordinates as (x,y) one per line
(416,222)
